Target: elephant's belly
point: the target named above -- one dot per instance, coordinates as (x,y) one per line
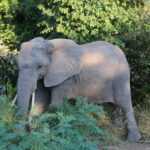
(97,91)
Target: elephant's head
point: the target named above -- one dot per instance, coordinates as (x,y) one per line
(53,60)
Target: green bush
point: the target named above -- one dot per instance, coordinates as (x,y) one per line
(7,27)
(8,71)
(137,49)
(68,128)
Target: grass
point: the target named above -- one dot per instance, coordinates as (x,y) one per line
(143,116)
(6,114)
(117,135)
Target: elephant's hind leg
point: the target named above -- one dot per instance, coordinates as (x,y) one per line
(117,117)
(122,97)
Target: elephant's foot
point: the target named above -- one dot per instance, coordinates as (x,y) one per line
(133,135)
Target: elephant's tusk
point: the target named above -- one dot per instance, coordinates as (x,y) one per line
(14,101)
(32,106)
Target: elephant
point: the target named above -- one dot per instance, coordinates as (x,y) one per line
(59,68)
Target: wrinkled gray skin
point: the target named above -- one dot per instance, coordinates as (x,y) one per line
(97,70)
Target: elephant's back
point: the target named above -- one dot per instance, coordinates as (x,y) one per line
(105,48)
(103,56)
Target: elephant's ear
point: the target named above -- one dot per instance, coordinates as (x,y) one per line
(64,64)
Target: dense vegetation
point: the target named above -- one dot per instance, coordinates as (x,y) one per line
(67,128)
(125,23)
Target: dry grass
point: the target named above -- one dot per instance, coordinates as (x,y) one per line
(117,135)
(143,116)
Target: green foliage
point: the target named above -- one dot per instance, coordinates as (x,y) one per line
(7,27)
(6,114)
(138,54)
(68,127)
(121,22)
(86,21)
(8,71)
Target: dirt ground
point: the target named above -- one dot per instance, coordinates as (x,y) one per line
(128,146)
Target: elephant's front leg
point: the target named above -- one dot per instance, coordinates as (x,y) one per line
(42,99)
(59,92)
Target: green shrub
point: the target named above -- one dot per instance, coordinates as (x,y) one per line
(8,71)
(137,50)
(68,128)
(6,114)
(7,26)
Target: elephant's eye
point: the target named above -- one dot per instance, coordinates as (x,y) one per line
(39,67)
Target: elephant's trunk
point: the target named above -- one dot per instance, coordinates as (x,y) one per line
(25,87)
